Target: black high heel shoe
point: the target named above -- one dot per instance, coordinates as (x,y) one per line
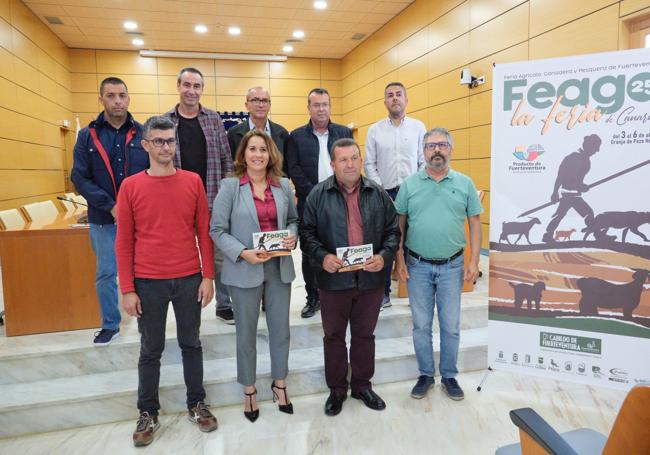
(286,408)
(251,415)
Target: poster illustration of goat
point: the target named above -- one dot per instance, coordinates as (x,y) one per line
(570,210)
(271,242)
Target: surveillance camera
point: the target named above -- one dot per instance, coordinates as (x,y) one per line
(465,76)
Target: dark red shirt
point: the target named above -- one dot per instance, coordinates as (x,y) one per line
(354,221)
(267,213)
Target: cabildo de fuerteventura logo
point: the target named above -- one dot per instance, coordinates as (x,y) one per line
(527,159)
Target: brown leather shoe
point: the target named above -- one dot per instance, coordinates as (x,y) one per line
(201,415)
(144,429)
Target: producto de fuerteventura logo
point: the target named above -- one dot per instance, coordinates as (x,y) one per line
(528,154)
(527,159)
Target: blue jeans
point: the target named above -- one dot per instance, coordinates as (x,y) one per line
(102,239)
(436,285)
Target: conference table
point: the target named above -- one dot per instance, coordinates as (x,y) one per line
(48,277)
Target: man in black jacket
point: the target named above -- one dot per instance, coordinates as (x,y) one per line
(349,210)
(258,104)
(308,163)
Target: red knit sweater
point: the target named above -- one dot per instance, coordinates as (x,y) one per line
(158,222)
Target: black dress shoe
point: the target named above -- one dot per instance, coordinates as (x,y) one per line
(310,308)
(334,403)
(370,399)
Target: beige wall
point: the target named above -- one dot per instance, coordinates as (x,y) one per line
(152,83)
(42,82)
(34,98)
(427,44)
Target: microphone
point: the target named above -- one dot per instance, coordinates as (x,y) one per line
(61,198)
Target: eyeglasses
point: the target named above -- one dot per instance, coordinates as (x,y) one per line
(259,100)
(158,142)
(442,146)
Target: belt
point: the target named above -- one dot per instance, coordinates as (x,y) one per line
(435,261)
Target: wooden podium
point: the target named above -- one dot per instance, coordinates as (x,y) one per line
(402,290)
(48,277)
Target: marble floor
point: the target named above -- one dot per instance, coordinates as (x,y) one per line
(435,424)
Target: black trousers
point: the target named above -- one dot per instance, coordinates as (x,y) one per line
(155,296)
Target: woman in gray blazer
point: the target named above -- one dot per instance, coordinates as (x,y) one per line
(257,199)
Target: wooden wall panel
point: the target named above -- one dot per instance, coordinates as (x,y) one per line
(504,31)
(632,6)
(597,32)
(546,15)
(449,26)
(482,11)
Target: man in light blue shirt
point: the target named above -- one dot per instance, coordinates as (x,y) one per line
(435,203)
(394,151)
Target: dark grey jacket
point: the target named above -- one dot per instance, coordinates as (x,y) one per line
(302,157)
(324,228)
(278,133)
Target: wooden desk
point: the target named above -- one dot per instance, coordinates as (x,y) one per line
(48,277)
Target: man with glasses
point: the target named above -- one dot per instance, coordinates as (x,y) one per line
(308,162)
(258,104)
(202,147)
(393,152)
(435,203)
(163,212)
(107,151)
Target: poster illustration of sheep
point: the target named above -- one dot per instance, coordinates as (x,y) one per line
(570,218)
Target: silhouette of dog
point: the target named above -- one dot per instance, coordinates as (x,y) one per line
(597,293)
(529,292)
(566,235)
(628,221)
(517,227)
(275,246)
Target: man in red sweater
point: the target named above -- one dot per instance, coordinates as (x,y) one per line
(161,212)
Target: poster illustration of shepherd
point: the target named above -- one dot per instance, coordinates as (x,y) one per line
(570,217)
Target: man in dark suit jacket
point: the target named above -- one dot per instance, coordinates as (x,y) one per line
(308,162)
(258,104)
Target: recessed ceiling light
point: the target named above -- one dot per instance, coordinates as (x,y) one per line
(234,30)
(200,28)
(298,34)
(138,42)
(320,4)
(130,25)
(287,48)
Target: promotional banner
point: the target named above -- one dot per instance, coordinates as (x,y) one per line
(570,218)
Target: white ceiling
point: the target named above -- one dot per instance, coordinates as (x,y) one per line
(265,24)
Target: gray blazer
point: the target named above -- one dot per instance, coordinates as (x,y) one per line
(234,219)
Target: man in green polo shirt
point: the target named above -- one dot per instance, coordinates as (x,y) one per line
(435,202)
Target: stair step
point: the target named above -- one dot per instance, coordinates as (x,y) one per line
(90,399)
(75,356)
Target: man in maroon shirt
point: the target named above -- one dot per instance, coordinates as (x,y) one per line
(161,212)
(348,210)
